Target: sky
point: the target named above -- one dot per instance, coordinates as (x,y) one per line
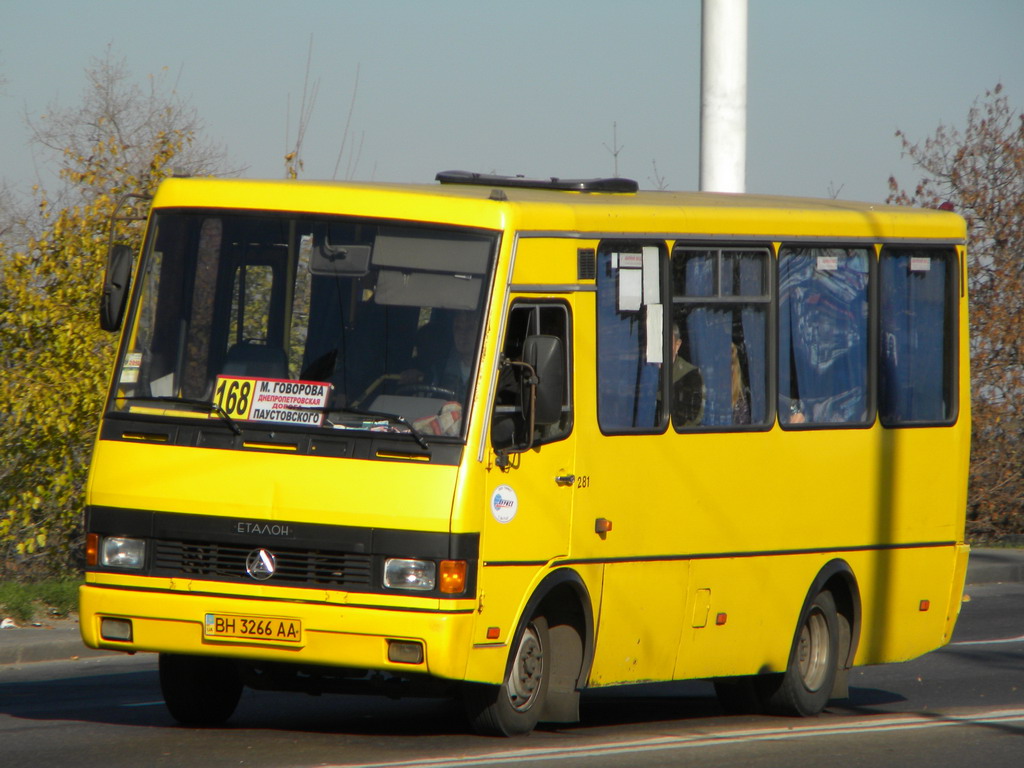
(568,88)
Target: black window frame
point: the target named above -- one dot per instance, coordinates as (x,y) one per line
(870,335)
(569,404)
(617,245)
(951,333)
(718,300)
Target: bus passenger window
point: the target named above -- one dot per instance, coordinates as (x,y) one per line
(823,335)
(916,350)
(630,337)
(509,428)
(720,302)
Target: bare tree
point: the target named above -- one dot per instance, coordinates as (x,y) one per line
(115,111)
(353,158)
(980,171)
(294,164)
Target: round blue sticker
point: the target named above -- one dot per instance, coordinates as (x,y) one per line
(504,504)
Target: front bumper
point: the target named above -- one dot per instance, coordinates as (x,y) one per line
(332,634)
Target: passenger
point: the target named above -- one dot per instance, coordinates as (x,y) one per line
(687,387)
(740,393)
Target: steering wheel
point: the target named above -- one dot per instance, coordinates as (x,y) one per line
(425,390)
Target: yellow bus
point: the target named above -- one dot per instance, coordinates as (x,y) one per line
(511,439)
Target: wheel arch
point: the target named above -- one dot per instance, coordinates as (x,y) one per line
(563,599)
(837,577)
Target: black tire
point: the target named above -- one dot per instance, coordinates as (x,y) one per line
(514,707)
(199,690)
(806,686)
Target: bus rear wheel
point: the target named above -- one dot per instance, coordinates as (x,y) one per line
(513,708)
(199,690)
(806,686)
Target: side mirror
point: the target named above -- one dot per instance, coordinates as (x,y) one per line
(547,358)
(116,282)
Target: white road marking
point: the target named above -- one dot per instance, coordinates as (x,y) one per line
(1019,639)
(725,738)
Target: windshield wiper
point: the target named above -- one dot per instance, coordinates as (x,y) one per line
(389,417)
(206,405)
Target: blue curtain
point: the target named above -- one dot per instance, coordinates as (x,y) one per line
(914,372)
(711,333)
(627,385)
(823,334)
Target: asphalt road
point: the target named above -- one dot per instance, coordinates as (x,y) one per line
(961,705)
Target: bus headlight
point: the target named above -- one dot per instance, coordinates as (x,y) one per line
(121,552)
(420,575)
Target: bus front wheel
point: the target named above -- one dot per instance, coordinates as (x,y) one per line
(513,708)
(199,690)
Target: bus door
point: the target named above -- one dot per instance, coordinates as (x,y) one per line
(531,477)
(632,511)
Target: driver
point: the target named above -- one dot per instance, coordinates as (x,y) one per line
(450,368)
(455,371)
(448,374)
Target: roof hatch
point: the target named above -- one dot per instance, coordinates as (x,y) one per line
(574,185)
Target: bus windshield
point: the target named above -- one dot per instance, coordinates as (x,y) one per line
(316,322)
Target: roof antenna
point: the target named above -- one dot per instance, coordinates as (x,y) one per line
(614,149)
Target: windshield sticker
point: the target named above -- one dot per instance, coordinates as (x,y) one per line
(130,369)
(272,400)
(504,504)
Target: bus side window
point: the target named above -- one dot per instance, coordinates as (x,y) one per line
(509,425)
(916,351)
(719,366)
(630,337)
(824,336)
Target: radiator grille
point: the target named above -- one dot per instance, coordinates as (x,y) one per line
(309,567)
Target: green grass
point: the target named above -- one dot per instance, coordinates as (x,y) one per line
(51,598)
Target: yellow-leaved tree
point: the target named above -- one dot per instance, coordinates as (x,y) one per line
(54,359)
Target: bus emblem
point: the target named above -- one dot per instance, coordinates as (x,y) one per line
(504,504)
(261,564)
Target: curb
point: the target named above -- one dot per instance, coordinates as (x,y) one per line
(30,644)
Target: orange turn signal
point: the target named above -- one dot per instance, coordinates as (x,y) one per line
(453,577)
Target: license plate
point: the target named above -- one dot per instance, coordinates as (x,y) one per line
(267,629)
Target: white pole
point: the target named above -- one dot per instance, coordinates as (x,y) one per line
(723,96)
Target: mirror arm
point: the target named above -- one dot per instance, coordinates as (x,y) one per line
(115,217)
(531,380)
